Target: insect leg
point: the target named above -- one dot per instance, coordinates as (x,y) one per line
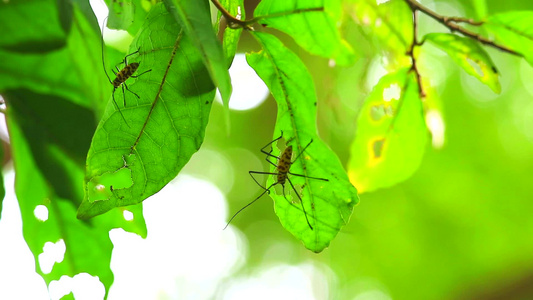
(118,108)
(249,204)
(124,94)
(255,172)
(301,202)
(126,57)
(135,76)
(305,176)
(131,92)
(302,151)
(268,154)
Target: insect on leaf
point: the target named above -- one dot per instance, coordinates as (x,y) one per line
(312,24)
(470,56)
(328,203)
(127,164)
(513,30)
(391,134)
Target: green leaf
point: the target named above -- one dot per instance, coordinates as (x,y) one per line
(24,32)
(389,25)
(391,134)
(48,159)
(74,72)
(128,163)
(194,17)
(468,54)
(513,30)
(127,14)
(312,24)
(231,36)
(328,204)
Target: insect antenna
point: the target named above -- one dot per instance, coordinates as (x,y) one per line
(107,75)
(266,190)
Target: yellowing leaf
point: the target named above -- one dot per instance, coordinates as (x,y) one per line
(391,134)
(468,54)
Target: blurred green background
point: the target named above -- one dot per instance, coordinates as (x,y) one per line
(459,228)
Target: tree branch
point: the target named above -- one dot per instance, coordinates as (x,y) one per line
(410,52)
(451,23)
(235,23)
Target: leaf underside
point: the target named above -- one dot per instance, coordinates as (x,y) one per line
(312,24)
(128,162)
(391,134)
(470,56)
(328,204)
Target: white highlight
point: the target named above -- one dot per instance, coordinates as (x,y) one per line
(249,91)
(186,254)
(392,92)
(436,126)
(83,286)
(128,215)
(52,253)
(41,212)
(303,281)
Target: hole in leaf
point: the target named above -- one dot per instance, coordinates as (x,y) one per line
(128,215)
(101,187)
(476,66)
(377,148)
(41,213)
(52,253)
(377,112)
(392,92)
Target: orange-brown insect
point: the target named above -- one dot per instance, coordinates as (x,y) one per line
(122,75)
(283,170)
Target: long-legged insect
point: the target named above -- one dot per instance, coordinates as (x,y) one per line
(121,75)
(283,170)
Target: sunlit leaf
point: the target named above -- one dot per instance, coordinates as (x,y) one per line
(328,203)
(22,31)
(127,14)
(195,18)
(468,54)
(48,159)
(389,24)
(513,30)
(128,163)
(391,134)
(312,24)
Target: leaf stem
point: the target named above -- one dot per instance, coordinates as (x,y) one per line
(452,24)
(410,52)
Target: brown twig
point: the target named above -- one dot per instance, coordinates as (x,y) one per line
(410,52)
(452,24)
(235,23)
(463,20)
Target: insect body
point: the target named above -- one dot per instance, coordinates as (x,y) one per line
(283,170)
(122,75)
